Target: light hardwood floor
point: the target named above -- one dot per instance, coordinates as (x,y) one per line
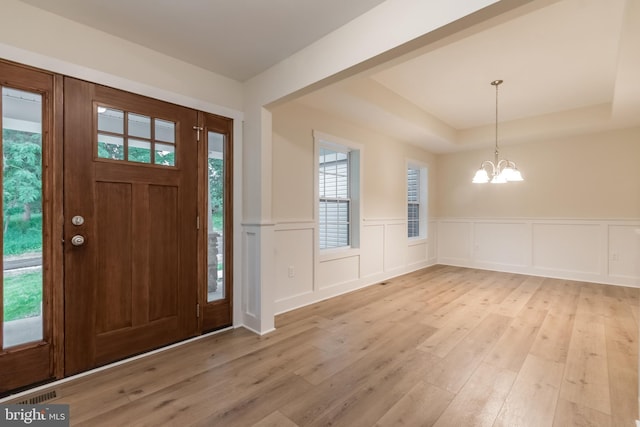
(443,346)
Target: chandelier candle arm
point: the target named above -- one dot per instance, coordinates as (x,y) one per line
(497,171)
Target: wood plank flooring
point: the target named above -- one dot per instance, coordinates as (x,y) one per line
(443,346)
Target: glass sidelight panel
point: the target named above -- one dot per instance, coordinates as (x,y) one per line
(216,220)
(22,284)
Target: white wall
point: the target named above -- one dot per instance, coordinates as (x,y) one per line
(303,273)
(592,176)
(576,215)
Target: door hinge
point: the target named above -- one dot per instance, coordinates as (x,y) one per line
(198,129)
(198,222)
(197,309)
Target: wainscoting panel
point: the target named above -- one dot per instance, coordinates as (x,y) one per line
(599,251)
(294,262)
(454,242)
(251,274)
(624,252)
(417,252)
(501,243)
(432,242)
(385,252)
(338,271)
(573,248)
(395,246)
(372,250)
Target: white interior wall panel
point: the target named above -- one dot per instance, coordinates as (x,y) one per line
(372,250)
(385,252)
(432,242)
(417,252)
(395,246)
(251,300)
(294,263)
(571,248)
(338,271)
(454,242)
(599,251)
(501,243)
(624,252)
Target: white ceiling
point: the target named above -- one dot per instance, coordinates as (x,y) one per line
(568,66)
(235,38)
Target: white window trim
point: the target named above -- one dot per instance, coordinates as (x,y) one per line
(355,174)
(424,197)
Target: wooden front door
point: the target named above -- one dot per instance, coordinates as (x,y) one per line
(130,225)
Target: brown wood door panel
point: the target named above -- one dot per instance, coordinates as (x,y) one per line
(216,315)
(111,171)
(24,366)
(143,338)
(163,251)
(132,286)
(113,237)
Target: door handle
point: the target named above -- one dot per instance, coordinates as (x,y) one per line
(77,240)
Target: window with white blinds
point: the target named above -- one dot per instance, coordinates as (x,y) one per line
(334,216)
(416,200)
(413,202)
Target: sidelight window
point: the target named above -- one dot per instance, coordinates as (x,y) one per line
(216,218)
(22,208)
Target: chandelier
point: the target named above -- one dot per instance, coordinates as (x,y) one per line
(500,170)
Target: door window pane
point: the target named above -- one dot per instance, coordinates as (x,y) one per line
(110,147)
(110,120)
(165,155)
(22,283)
(216,190)
(139,151)
(165,131)
(139,125)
